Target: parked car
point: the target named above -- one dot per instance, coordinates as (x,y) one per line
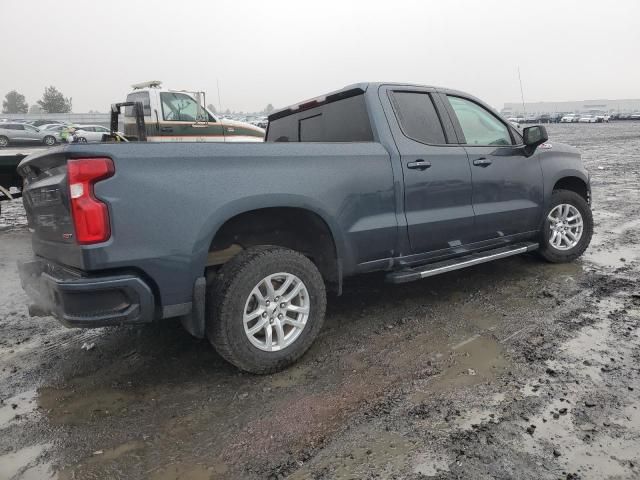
(634,116)
(588,119)
(531,118)
(39,123)
(12,133)
(570,118)
(410,180)
(51,126)
(91,133)
(544,118)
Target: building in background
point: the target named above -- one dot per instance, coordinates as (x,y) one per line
(581,106)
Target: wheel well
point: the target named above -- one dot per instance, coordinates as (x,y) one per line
(294,228)
(574,184)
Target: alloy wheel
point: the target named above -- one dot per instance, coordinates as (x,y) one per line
(566,226)
(276,312)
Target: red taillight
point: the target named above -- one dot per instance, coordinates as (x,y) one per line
(90,215)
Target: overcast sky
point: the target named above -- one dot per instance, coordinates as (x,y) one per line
(281,52)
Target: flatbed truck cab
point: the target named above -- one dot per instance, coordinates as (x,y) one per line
(180,116)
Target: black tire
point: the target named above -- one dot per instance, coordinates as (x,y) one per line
(49,140)
(4,141)
(82,140)
(229,291)
(548,251)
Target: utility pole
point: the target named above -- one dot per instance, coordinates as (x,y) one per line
(524,110)
(219,102)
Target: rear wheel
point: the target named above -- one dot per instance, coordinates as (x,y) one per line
(82,140)
(567,227)
(265,308)
(4,141)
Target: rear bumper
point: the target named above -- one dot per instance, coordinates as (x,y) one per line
(87,301)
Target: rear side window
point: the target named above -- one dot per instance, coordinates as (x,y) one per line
(418,117)
(138,97)
(344,120)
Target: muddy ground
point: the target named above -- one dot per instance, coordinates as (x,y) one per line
(515,369)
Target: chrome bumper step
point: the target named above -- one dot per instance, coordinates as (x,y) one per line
(436,268)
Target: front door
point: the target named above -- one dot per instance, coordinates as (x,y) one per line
(507,186)
(437,177)
(182,119)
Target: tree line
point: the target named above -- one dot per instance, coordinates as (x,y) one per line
(52,101)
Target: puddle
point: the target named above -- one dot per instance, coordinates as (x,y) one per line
(474,360)
(476,416)
(184,471)
(95,465)
(387,452)
(626,226)
(14,463)
(604,457)
(582,438)
(430,464)
(613,258)
(69,407)
(20,404)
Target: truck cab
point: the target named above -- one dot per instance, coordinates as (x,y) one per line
(180,116)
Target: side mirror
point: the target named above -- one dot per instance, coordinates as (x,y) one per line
(533,138)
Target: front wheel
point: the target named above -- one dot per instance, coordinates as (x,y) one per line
(49,141)
(567,228)
(4,141)
(265,308)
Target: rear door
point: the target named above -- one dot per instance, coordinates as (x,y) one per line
(437,177)
(507,186)
(31,134)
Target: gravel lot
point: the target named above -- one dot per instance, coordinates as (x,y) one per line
(515,369)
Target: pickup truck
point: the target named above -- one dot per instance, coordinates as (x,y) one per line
(241,242)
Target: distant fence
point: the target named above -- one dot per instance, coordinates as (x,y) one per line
(78,118)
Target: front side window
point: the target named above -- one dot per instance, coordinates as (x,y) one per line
(418,117)
(479,126)
(178,107)
(30,128)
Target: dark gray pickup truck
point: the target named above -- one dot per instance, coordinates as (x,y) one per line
(241,241)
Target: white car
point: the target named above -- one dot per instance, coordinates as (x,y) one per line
(52,126)
(588,119)
(91,133)
(569,118)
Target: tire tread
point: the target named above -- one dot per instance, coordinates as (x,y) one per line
(221,291)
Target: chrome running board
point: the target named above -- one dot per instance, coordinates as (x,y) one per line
(436,268)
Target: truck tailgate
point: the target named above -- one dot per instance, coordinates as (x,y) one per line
(46,201)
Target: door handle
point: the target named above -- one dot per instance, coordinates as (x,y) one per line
(166,129)
(419,164)
(482,162)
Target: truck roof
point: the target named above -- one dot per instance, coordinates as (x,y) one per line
(345,92)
